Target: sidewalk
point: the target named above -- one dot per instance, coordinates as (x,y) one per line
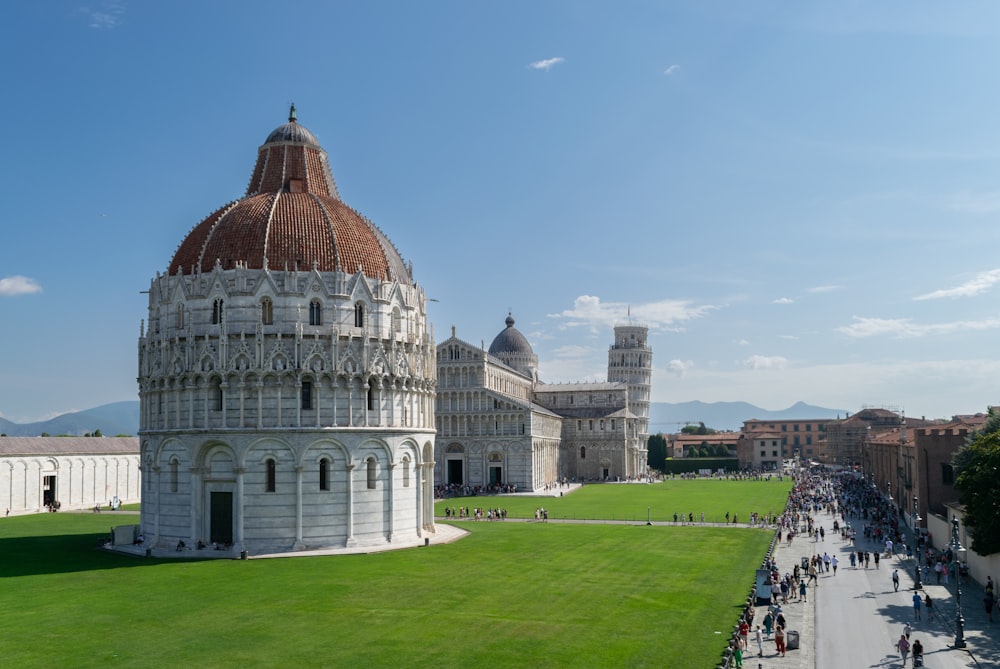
(853,618)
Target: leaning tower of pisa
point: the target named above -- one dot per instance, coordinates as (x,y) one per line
(630,361)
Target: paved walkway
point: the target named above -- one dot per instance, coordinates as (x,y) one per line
(854,618)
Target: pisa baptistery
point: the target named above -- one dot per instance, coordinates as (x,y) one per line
(286,374)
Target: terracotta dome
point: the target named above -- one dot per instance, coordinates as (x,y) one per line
(291,217)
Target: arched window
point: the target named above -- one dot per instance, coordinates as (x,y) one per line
(406,471)
(359,315)
(217,394)
(324,474)
(371,398)
(272,475)
(315,313)
(174,465)
(397,321)
(372,473)
(217,311)
(156,321)
(267,311)
(180,316)
(583,452)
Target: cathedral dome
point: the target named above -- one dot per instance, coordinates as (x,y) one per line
(510,341)
(291,217)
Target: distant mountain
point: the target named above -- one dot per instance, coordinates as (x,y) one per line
(110,419)
(667,417)
(123,418)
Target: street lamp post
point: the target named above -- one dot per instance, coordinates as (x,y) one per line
(958,552)
(916,529)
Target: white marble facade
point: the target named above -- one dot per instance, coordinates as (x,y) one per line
(71,473)
(287,403)
(499,426)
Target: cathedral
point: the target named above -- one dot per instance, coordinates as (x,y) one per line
(500,428)
(286,374)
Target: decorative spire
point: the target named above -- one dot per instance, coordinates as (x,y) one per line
(291,114)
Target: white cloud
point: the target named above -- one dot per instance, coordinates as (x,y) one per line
(679,367)
(589,311)
(904,328)
(18,285)
(976,203)
(974,286)
(670,70)
(106,17)
(573,363)
(546,64)
(823,289)
(791,337)
(765,362)
(783,300)
(742,342)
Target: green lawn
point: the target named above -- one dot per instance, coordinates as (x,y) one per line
(509,595)
(712,497)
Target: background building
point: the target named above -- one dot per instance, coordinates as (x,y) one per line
(498,425)
(287,375)
(71,472)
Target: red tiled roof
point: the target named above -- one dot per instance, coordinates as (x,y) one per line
(291,217)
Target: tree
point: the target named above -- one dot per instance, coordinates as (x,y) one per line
(656,452)
(697,429)
(978,483)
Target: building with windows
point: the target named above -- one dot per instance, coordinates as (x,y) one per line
(37,473)
(286,373)
(798,437)
(499,425)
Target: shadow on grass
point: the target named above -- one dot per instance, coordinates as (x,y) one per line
(64,553)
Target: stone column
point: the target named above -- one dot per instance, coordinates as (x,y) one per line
(197,503)
(238,508)
(390,488)
(298,545)
(350,507)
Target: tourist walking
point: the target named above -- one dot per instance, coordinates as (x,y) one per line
(759,638)
(988,604)
(916,605)
(903,646)
(779,640)
(918,653)
(895,580)
(929,605)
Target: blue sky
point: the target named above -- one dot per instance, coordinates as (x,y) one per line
(800,199)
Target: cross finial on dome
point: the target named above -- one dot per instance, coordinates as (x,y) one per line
(291,114)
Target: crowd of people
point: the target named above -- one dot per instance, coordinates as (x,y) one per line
(476,513)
